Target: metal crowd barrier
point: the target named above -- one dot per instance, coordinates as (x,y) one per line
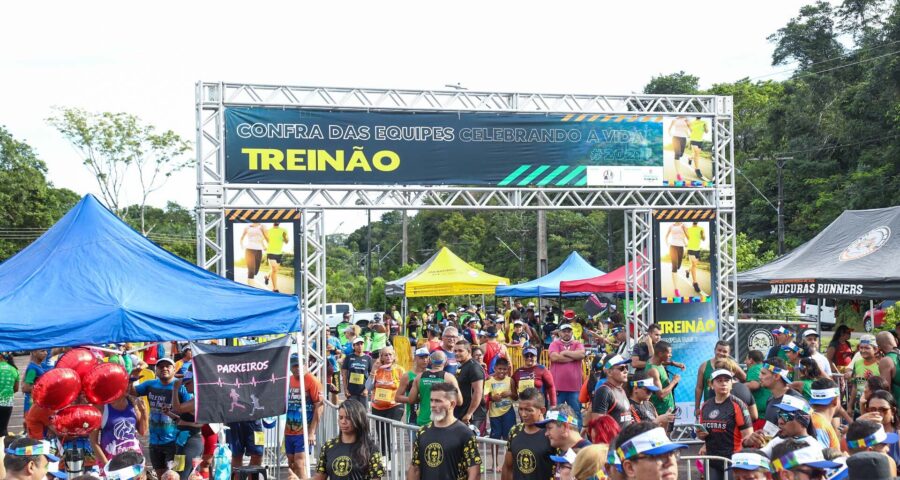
(690,461)
(398,440)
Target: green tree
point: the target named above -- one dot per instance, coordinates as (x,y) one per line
(679,83)
(123,152)
(29,204)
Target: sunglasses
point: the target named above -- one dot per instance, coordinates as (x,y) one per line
(621,368)
(812,473)
(788,416)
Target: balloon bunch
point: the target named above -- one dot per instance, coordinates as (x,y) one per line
(77,371)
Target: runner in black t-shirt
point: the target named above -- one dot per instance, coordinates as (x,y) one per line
(726,421)
(528,449)
(445,448)
(352,455)
(610,398)
(355,371)
(470,377)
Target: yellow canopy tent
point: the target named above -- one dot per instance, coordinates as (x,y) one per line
(445,275)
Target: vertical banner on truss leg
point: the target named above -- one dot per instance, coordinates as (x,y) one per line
(685,294)
(260,242)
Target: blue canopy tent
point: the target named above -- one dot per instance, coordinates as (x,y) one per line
(573,268)
(91,279)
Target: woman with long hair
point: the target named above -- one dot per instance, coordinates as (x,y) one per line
(386,374)
(839,352)
(354,443)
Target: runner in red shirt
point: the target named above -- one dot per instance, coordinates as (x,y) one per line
(532,375)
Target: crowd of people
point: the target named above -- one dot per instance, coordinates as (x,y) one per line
(602,407)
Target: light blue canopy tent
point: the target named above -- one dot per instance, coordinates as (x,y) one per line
(91,279)
(573,268)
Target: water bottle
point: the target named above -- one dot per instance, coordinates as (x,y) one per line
(222,461)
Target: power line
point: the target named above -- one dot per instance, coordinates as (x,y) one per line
(833,147)
(827,60)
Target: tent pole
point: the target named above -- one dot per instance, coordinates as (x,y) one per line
(819,303)
(404,311)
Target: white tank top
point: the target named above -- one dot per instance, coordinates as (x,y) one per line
(677,238)
(681,128)
(254,238)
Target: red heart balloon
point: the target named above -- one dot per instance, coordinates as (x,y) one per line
(105,383)
(79,359)
(56,388)
(77,420)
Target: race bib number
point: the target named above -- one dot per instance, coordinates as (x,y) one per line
(259,438)
(384,395)
(179,463)
(525,383)
(357,378)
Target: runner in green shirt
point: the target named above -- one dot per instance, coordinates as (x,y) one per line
(421,389)
(761,394)
(863,369)
(695,236)
(663,400)
(276,237)
(699,128)
(9,385)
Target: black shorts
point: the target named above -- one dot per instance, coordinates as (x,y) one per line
(694,253)
(161,455)
(274,256)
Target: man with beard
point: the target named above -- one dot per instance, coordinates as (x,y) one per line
(647,453)
(783,336)
(811,337)
(528,449)
(774,377)
(610,398)
(470,378)
(355,371)
(445,448)
(889,365)
(702,392)
(640,389)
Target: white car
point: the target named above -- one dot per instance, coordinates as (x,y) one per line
(334,313)
(809,308)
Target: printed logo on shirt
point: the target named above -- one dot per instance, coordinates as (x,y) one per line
(714,414)
(341,466)
(526,461)
(434,455)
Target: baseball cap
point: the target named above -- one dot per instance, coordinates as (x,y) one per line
(482,333)
(471,320)
(809,456)
(809,332)
(749,461)
(782,331)
(790,403)
(876,438)
(645,383)
(165,360)
(530,304)
(529,351)
(791,347)
(491,331)
(569,457)
(616,360)
(652,442)
(565,326)
(461,309)
(722,373)
(358,340)
(27,447)
(55,472)
(451,314)
(422,352)
(556,416)
(518,322)
(295,359)
(126,473)
(186,347)
(867,340)
(616,330)
(569,314)
(823,396)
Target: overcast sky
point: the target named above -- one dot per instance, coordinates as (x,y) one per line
(144,58)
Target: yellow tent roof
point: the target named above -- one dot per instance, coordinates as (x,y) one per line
(449,275)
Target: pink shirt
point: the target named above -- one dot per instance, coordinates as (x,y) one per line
(567,376)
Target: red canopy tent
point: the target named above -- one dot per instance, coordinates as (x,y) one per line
(612,282)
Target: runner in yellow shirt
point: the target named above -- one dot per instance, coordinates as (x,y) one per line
(276,237)
(695,236)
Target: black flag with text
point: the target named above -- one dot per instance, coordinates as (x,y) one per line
(235,384)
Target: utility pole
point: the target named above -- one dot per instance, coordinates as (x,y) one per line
(779,164)
(541,243)
(609,243)
(368,256)
(404,250)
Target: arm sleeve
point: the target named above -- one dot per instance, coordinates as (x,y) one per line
(549,387)
(583,396)
(415,449)
(323,459)
(601,401)
(314,388)
(471,457)
(376,467)
(184,395)
(141,388)
(30,376)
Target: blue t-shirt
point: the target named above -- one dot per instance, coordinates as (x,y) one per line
(184,368)
(452,365)
(163,429)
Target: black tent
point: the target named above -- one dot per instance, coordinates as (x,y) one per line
(856,257)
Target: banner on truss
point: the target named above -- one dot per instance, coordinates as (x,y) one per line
(339,147)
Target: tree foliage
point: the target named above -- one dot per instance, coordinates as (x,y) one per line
(123,153)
